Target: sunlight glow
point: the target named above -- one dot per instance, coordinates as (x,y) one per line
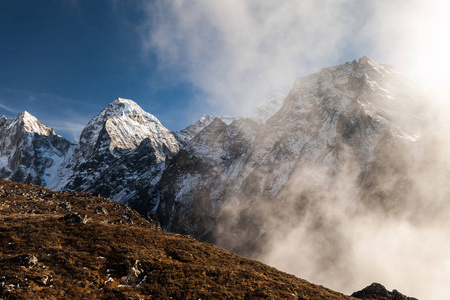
(427,44)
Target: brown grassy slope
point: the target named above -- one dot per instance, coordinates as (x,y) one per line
(92,260)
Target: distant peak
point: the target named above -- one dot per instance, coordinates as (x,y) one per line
(32,124)
(363,58)
(127,125)
(120,107)
(27,115)
(205,117)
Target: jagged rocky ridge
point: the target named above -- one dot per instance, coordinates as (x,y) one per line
(219,174)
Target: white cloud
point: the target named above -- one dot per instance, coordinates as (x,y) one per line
(7,108)
(239,52)
(413,36)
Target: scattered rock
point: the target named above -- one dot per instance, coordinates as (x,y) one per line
(75,218)
(65,206)
(9,288)
(45,280)
(134,270)
(376,290)
(102,210)
(26,260)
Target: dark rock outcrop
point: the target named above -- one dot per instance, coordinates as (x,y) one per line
(75,218)
(378,291)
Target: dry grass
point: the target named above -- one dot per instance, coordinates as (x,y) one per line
(90,261)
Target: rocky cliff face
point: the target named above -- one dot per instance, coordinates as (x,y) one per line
(198,177)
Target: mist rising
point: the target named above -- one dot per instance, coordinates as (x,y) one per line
(345,185)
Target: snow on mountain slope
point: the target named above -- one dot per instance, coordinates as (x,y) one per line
(264,111)
(268,108)
(32,124)
(197,178)
(30,151)
(126,125)
(185,135)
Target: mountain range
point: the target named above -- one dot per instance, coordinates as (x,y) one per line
(344,137)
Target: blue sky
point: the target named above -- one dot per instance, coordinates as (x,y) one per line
(64,60)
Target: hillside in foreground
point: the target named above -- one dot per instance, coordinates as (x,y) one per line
(66,245)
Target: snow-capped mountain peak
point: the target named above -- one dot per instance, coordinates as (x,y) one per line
(130,110)
(125,142)
(124,124)
(31,124)
(185,135)
(31,151)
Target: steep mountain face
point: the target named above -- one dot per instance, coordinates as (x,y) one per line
(339,119)
(197,178)
(30,151)
(185,135)
(121,154)
(348,124)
